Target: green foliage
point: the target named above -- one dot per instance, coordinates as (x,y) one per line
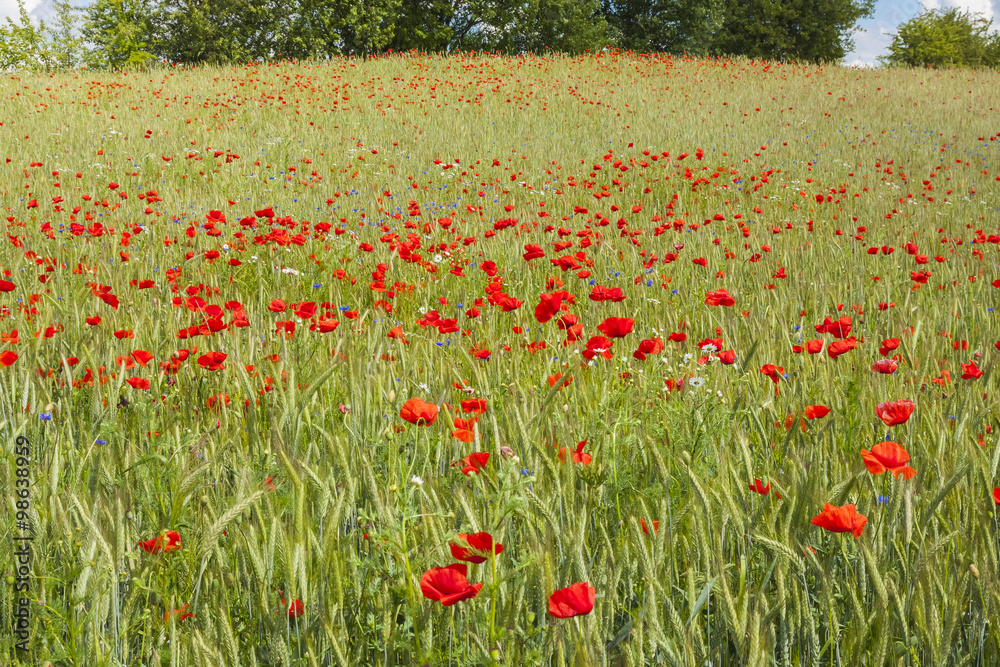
(424,25)
(23,44)
(324,28)
(816,31)
(368,25)
(129,33)
(121,32)
(566,26)
(945,38)
(217,31)
(669,26)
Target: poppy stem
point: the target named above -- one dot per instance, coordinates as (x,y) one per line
(493,604)
(409,586)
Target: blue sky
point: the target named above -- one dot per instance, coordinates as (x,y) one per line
(870,42)
(874,38)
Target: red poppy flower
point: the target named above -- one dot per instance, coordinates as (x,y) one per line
(759,487)
(158,544)
(598,345)
(579,456)
(94,321)
(533,251)
(839,347)
(7,357)
(885,366)
(844,519)
(816,411)
(212,361)
(647,347)
(138,383)
(971,372)
(727,357)
(710,344)
(836,328)
(815,346)
(888,345)
(575,600)
(773,372)
(277,306)
(6,286)
(474,462)
(464,430)
(474,405)
(996,496)
(142,357)
(719,297)
(180,614)
(418,412)
(895,412)
(548,306)
(305,310)
(616,327)
(888,455)
(656,526)
(677,337)
(448,585)
(479,543)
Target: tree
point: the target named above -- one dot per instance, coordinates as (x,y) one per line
(66,44)
(218,31)
(121,32)
(23,45)
(818,31)
(671,26)
(424,25)
(941,39)
(566,26)
(319,28)
(368,25)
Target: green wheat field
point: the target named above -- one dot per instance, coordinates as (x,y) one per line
(706,345)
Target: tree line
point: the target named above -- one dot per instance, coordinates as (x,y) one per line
(132,33)
(129,33)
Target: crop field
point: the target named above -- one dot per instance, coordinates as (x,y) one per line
(479,360)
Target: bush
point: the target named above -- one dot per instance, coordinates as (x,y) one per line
(945,38)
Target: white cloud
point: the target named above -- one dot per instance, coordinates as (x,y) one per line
(9,7)
(875,36)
